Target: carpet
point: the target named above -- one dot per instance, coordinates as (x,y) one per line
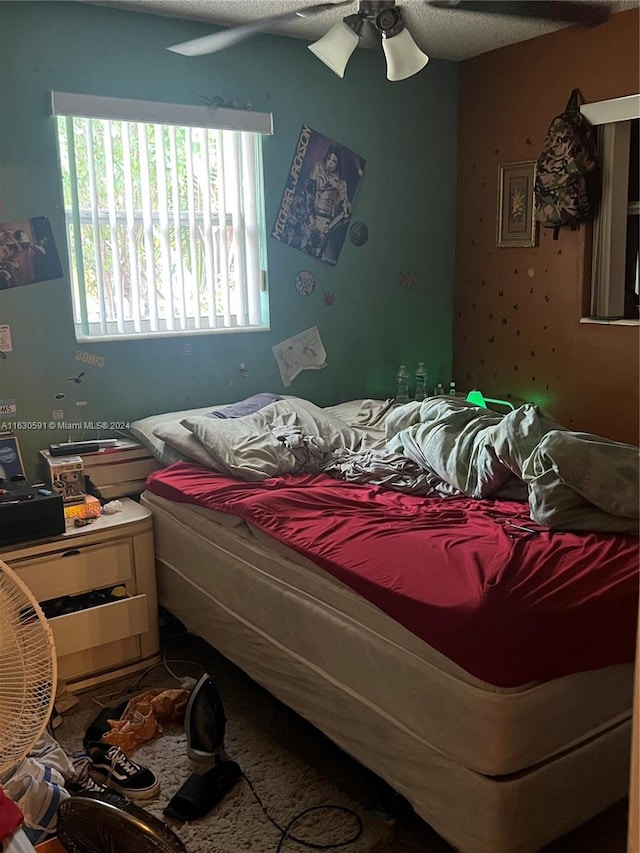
(264,737)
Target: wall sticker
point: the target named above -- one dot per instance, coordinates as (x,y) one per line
(305,282)
(90,358)
(408,278)
(358,233)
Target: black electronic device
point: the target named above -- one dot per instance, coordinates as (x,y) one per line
(73,448)
(29,512)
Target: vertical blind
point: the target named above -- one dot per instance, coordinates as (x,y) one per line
(164,215)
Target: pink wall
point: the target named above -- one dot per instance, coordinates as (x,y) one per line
(516,329)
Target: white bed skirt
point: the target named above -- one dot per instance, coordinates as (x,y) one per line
(516,812)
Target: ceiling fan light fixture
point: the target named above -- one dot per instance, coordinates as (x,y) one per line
(404,57)
(336,46)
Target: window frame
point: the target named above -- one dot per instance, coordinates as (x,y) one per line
(70,106)
(612,118)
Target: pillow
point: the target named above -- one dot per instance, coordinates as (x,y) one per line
(143,430)
(289,436)
(169,442)
(182,444)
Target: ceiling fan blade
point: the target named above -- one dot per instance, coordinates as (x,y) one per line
(234,35)
(589,14)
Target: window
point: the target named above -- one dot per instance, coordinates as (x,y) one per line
(164,216)
(614,275)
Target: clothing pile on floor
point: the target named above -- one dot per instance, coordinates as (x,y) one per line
(143,717)
(35,788)
(48,776)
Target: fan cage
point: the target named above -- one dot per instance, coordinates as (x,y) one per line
(104,822)
(28,669)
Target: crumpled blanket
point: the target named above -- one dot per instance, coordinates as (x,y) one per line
(579,481)
(37,785)
(144,716)
(480,452)
(309,451)
(387,469)
(572,481)
(440,446)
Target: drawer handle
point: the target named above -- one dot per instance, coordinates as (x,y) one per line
(72,553)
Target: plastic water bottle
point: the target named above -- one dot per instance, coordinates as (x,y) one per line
(421,381)
(402,384)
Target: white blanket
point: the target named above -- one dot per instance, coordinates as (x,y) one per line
(584,482)
(573,481)
(478,451)
(443,445)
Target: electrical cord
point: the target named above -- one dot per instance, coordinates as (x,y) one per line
(103,699)
(286,830)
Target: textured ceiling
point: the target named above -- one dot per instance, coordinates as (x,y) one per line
(441,33)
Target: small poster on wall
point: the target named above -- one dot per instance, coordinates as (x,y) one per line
(28,252)
(318,197)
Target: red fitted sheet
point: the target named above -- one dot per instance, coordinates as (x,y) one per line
(507,607)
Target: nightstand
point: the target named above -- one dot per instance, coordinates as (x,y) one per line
(115,471)
(102,642)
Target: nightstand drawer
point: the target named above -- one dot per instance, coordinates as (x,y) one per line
(99,636)
(98,626)
(76,570)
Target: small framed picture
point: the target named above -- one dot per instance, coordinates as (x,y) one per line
(516,225)
(11,466)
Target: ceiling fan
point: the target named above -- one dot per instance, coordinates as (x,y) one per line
(404,57)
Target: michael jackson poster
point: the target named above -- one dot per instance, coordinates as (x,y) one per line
(318,197)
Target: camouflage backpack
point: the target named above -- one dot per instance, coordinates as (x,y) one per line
(568,178)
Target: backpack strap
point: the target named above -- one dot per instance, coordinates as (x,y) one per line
(573,104)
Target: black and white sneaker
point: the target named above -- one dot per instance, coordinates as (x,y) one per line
(111,767)
(87,786)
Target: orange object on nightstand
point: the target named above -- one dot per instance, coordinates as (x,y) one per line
(91,508)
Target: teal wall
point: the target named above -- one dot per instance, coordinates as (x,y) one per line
(406,131)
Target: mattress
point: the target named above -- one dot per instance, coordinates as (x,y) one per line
(284,601)
(508,600)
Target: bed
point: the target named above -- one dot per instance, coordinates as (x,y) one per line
(449,593)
